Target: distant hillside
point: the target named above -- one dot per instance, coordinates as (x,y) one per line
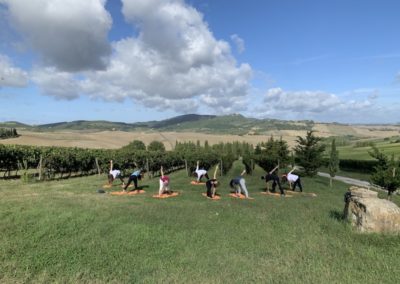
(182,119)
(239,125)
(98,125)
(14,124)
(227,124)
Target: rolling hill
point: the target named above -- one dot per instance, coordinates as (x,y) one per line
(228,124)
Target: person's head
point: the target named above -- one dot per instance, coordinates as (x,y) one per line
(194,174)
(262,177)
(284,178)
(216,183)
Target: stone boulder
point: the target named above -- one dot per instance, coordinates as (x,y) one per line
(368,213)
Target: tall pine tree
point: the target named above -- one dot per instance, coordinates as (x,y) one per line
(309,152)
(333,162)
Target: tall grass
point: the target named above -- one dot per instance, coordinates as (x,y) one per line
(63,231)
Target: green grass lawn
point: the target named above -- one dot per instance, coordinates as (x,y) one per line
(361,153)
(63,231)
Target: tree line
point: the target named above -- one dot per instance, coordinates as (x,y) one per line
(8,133)
(64,162)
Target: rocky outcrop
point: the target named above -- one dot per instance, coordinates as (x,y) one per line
(368,213)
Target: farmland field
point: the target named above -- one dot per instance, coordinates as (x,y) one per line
(117,139)
(361,153)
(64,231)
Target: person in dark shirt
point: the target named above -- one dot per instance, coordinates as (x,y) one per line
(275,180)
(212,184)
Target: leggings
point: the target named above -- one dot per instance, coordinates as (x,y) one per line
(210,187)
(241,187)
(131,178)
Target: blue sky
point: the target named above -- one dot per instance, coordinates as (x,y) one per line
(139,60)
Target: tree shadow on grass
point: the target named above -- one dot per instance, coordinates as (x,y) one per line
(337,215)
(141,187)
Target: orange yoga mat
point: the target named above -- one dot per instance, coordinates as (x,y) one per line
(166,195)
(197,183)
(311,194)
(216,197)
(131,185)
(241,196)
(135,192)
(274,194)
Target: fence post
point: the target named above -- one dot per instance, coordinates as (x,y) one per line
(147,167)
(40,167)
(186,166)
(98,167)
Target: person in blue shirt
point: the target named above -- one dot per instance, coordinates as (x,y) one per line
(135,176)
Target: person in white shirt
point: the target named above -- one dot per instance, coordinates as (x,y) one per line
(114,173)
(293,180)
(199,173)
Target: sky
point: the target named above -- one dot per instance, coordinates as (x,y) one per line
(141,60)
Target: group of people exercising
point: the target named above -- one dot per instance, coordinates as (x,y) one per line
(238,183)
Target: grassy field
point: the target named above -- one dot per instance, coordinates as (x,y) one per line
(63,231)
(361,153)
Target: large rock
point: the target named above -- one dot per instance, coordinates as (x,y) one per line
(368,213)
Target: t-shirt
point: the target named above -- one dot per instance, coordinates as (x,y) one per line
(201,172)
(115,173)
(165,179)
(136,173)
(236,180)
(292,177)
(272,176)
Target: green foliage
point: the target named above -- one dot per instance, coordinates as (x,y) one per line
(386,173)
(135,145)
(333,165)
(309,152)
(8,133)
(155,146)
(271,153)
(333,160)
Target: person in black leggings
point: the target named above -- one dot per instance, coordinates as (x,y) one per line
(275,180)
(212,184)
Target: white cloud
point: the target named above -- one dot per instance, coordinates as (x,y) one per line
(301,101)
(320,106)
(68,34)
(58,84)
(175,57)
(11,76)
(174,62)
(239,42)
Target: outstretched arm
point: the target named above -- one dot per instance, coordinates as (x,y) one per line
(197,166)
(274,169)
(111,165)
(294,168)
(244,171)
(162,172)
(215,172)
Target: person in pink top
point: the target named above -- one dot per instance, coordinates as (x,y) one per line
(164,183)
